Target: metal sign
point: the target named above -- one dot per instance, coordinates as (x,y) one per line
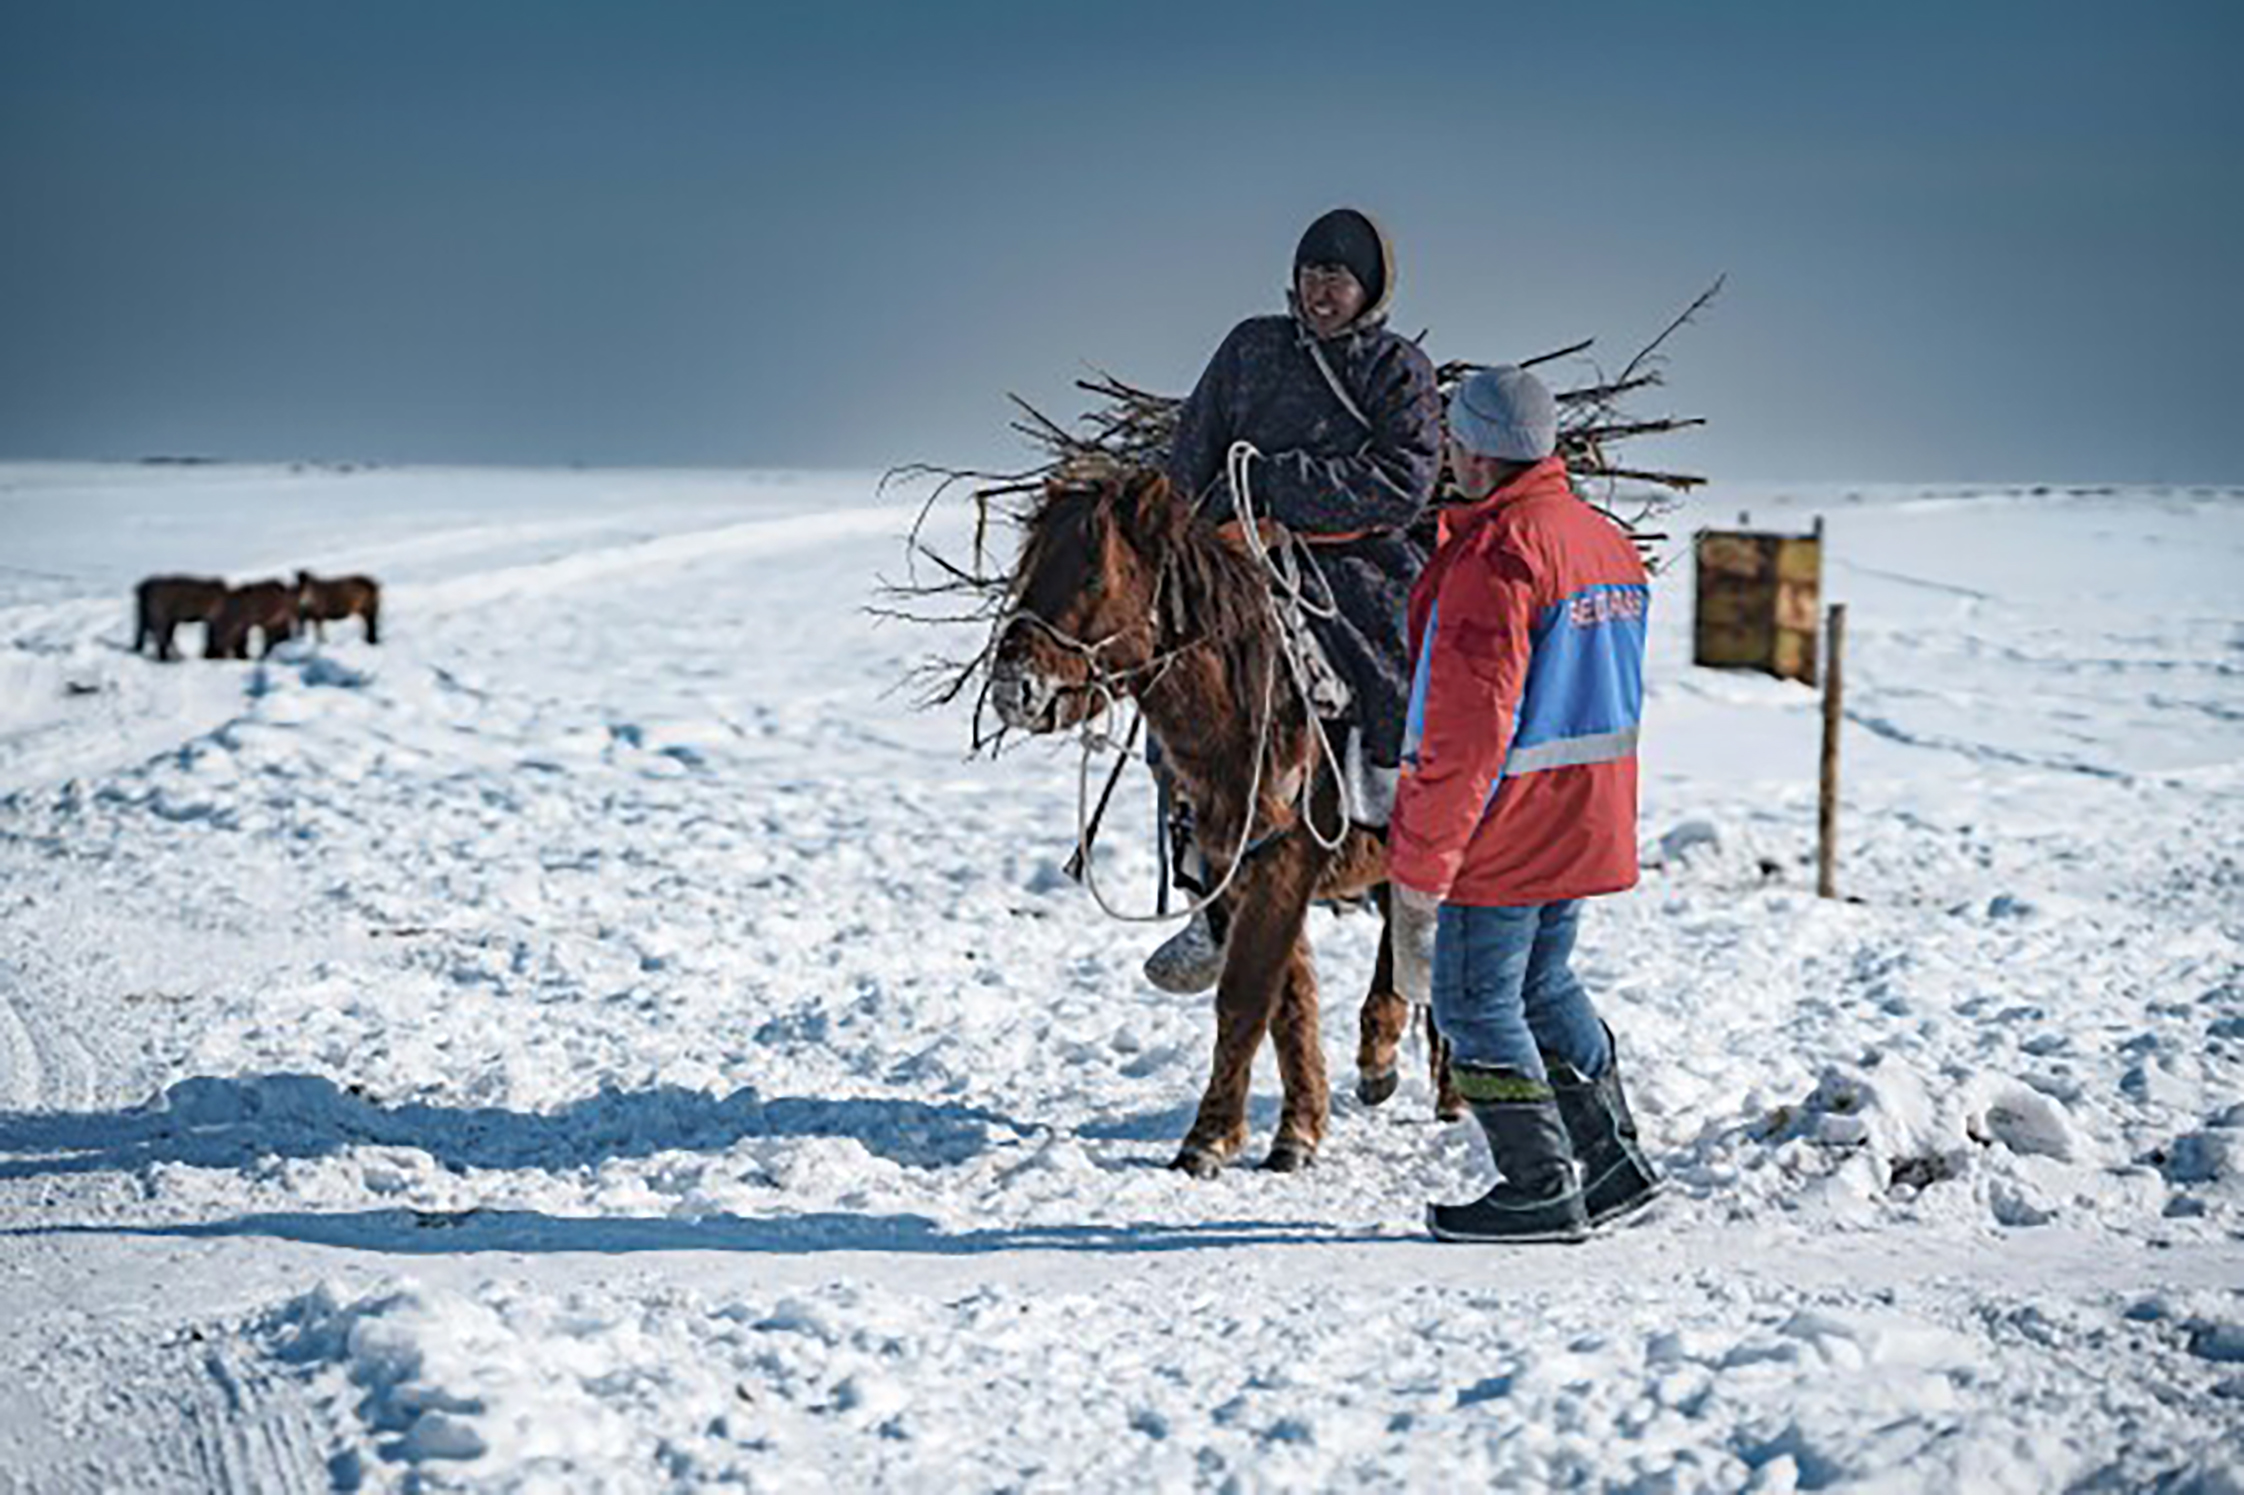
(1759,599)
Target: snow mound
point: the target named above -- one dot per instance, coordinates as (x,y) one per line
(2006,1112)
(849,1386)
(1692,836)
(2210,1158)
(434,1378)
(1882,1135)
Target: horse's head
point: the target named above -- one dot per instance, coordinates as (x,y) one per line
(1081,623)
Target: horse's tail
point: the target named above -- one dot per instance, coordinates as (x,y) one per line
(372,610)
(140,625)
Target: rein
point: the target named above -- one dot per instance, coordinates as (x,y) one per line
(1286,598)
(1109,686)
(1102,679)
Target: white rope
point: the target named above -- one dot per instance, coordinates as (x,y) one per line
(1282,576)
(1238,857)
(1101,683)
(1290,644)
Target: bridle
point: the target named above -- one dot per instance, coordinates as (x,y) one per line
(1106,682)
(1284,586)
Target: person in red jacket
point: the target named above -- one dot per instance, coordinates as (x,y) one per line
(1517,801)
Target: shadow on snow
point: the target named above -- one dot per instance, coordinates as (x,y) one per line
(229,1123)
(528,1232)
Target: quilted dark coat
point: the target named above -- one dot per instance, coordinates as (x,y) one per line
(1324,474)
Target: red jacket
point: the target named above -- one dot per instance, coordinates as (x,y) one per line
(1519,756)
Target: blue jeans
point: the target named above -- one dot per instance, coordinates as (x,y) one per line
(1504,993)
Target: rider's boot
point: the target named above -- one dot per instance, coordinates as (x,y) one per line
(1191,960)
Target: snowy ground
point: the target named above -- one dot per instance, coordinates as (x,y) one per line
(598,1039)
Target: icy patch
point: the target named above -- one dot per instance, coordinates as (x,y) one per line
(2221,1341)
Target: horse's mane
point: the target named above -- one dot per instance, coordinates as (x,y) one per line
(1213,593)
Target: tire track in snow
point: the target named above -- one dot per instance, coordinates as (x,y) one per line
(249,1430)
(44,1065)
(753,537)
(20,1071)
(1982,752)
(193,1416)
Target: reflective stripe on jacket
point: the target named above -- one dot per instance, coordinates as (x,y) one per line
(1519,754)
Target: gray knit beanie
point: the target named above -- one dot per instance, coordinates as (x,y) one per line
(1505,412)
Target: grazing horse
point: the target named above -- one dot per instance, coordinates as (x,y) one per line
(321,602)
(162,603)
(1121,590)
(267,606)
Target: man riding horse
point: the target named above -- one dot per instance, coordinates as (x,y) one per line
(1347,424)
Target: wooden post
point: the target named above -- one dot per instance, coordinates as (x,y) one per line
(1827,805)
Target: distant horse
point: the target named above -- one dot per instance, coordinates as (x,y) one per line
(1120,590)
(266,606)
(337,598)
(162,603)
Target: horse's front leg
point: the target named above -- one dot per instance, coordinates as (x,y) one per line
(1301,1061)
(1268,907)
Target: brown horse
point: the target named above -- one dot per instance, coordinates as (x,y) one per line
(267,606)
(162,603)
(321,602)
(1121,590)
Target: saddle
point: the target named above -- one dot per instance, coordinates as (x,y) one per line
(1328,693)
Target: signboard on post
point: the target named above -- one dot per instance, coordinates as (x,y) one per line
(1759,596)
(1759,599)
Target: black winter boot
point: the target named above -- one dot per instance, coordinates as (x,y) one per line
(1540,1195)
(1617,1179)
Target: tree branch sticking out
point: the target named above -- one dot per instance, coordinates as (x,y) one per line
(1131,428)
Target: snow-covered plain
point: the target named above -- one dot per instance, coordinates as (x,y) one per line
(602,1038)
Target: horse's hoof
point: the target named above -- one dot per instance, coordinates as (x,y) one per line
(1455,1110)
(1198,1162)
(1289,1155)
(1374,1089)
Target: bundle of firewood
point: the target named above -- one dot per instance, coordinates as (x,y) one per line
(1132,427)
(1129,427)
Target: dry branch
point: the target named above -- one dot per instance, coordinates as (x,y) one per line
(1132,427)
(1129,427)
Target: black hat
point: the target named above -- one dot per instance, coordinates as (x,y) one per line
(1345,236)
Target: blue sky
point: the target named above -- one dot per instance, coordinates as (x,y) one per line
(1964,241)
